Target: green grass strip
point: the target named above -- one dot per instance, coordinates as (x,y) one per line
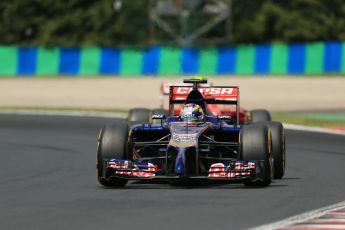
(90,60)
(8,61)
(279,59)
(170,61)
(319,120)
(342,57)
(131,62)
(314,58)
(330,117)
(245,59)
(208,59)
(62,109)
(48,61)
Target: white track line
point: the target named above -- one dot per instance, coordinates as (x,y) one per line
(325,220)
(301,217)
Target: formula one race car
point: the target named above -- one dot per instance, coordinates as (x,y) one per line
(180,149)
(144,115)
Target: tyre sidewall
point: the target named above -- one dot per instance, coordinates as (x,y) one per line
(112,143)
(278,147)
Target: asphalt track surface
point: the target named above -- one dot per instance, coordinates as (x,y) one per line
(48,181)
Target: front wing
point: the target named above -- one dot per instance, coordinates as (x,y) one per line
(232,171)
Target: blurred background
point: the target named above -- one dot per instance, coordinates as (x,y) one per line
(50,49)
(179,22)
(171,37)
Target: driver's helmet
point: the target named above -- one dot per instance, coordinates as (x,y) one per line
(191,112)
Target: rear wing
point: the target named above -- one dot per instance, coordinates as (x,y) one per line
(165,86)
(212,95)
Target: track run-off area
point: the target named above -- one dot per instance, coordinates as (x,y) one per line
(48,181)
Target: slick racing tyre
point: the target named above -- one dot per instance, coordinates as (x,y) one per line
(139,115)
(256,145)
(112,143)
(278,147)
(258,115)
(158,112)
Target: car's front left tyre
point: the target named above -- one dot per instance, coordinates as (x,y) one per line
(256,145)
(278,147)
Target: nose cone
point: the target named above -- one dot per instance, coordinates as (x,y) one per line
(179,168)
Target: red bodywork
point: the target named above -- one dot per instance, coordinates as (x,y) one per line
(180,92)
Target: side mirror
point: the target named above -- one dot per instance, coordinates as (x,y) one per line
(224,117)
(158,117)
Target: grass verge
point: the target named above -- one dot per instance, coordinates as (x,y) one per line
(319,120)
(63,109)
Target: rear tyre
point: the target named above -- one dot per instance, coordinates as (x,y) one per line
(278,147)
(260,115)
(256,145)
(159,111)
(140,115)
(112,142)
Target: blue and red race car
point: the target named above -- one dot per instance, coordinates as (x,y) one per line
(177,150)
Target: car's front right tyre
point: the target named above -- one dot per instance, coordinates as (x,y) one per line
(111,144)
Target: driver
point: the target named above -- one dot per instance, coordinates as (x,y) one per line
(191,113)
